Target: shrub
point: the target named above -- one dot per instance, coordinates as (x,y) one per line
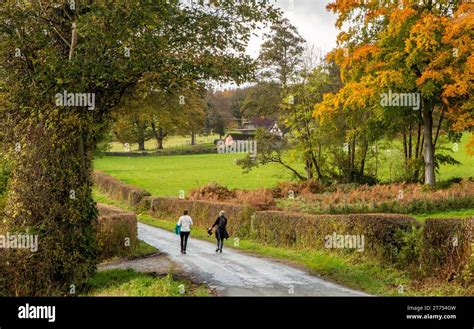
(116,232)
(211,192)
(409,254)
(446,246)
(259,199)
(283,189)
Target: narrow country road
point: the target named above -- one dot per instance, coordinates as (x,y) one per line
(234,273)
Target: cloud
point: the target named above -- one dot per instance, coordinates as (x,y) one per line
(315,24)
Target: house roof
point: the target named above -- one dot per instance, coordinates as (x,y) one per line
(239,136)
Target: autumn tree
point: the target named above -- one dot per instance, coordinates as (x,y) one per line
(399,47)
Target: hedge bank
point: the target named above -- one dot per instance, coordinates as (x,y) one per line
(447,246)
(116,232)
(118,190)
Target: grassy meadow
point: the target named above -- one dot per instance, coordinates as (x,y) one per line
(167,175)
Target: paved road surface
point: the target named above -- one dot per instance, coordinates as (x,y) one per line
(234,273)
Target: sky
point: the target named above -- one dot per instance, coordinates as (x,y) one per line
(314,23)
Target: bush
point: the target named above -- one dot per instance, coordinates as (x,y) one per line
(259,199)
(4,175)
(446,247)
(211,192)
(116,232)
(283,189)
(409,254)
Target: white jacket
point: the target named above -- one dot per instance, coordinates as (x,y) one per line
(185,221)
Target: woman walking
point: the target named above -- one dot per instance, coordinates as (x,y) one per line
(221,231)
(184,226)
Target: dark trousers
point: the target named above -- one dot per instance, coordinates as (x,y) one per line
(220,240)
(184,240)
(220,244)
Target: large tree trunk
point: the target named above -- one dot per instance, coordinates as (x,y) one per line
(193,138)
(159,141)
(50,195)
(159,135)
(141,144)
(140,130)
(429,146)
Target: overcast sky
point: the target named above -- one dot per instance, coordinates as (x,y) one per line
(315,24)
(313,21)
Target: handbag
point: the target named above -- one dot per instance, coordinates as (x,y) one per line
(177,229)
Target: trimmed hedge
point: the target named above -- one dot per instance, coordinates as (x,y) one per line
(310,231)
(118,190)
(446,246)
(115,227)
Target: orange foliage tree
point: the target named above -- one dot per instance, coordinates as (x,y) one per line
(421,50)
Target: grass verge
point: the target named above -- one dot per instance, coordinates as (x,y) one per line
(128,282)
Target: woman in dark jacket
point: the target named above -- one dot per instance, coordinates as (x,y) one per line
(221,231)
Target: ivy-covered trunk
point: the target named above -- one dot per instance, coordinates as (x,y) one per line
(50,197)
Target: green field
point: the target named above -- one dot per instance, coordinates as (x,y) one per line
(167,175)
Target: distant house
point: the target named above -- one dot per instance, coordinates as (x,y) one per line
(249,128)
(237,136)
(277,130)
(270,125)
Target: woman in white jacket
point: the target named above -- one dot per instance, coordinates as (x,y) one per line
(184,223)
